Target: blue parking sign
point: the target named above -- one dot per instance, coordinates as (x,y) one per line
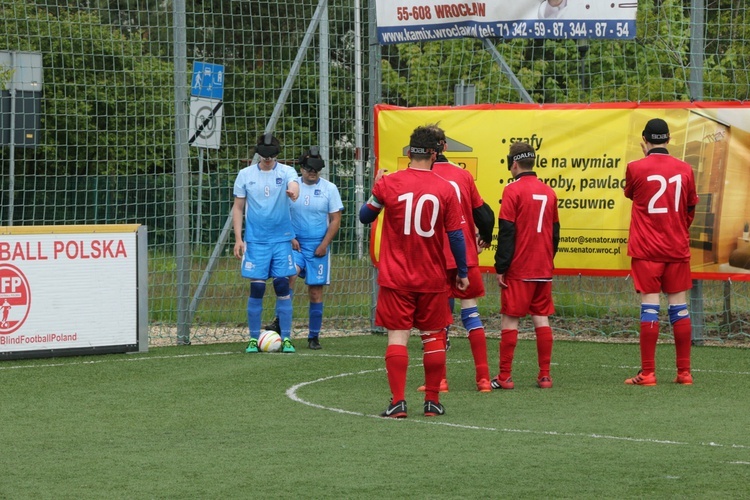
(208,80)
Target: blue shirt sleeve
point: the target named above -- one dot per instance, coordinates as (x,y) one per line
(458,248)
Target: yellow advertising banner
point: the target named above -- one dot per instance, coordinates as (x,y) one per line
(582,153)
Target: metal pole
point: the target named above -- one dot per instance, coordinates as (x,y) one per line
(12,147)
(199,207)
(324,134)
(508,72)
(697,54)
(359,195)
(181,174)
(375,96)
(697,48)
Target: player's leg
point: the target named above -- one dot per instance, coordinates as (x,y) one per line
(677,281)
(472,322)
(444,376)
(433,359)
(431,316)
(256,267)
(647,281)
(299,263)
(315,294)
(317,275)
(395,312)
(282,267)
(506,352)
(515,300)
(541,308)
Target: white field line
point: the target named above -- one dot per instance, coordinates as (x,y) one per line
(292,394)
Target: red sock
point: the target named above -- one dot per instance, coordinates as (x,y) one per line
(508,341)
(649,336)
(544,349)
(478,343)
(434,364)
(683,333)
(396,363)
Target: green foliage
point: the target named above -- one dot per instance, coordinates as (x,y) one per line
(5,75)
(108,107)
(653,67)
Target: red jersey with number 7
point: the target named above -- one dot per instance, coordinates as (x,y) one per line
(419,209)
(532,206)
(662,188)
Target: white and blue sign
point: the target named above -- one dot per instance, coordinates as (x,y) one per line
(208,81)
(404,21)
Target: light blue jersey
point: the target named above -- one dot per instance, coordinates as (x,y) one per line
(310,212)
(267,205)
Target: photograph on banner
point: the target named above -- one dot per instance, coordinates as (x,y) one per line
(582,153)
(404,21)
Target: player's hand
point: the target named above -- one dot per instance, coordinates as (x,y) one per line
(481,244)
(462,283)
(295,244)
(239,249)
(321,250)
(292,195)
(501,281)
(380,174)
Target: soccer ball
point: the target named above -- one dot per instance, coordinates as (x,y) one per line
(269,341)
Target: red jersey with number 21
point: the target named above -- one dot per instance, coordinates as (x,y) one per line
(662,188)
(419,208)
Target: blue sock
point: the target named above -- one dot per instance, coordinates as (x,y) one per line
(284,309)
(316,318)
(254,312)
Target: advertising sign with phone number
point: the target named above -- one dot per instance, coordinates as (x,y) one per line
(404,21)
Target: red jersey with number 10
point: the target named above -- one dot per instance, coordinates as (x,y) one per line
(532,206)
(469,197)
(662,188)
(419,209)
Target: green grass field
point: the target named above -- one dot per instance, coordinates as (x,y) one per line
(212,422)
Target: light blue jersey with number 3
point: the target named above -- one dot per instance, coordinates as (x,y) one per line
(310,212)
(267,216)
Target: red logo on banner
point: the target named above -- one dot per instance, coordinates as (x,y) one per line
(15,299)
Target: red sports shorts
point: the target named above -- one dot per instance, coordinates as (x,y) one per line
(655,277)
(527,297)
(476,284)
(402,310)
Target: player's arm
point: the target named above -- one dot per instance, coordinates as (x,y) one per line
(555,237)
(458,249)
(506,245)
(628,189)
(484,220)
(292,189)
(370,210)
(334,223)
(690,215)
(238,219)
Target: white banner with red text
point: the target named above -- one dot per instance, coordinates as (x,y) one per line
(72,290)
